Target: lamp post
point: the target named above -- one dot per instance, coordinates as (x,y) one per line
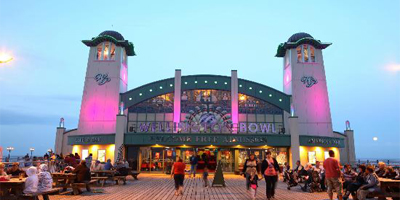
(9,149)
(31,149)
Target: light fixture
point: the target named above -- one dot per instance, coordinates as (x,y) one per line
(260,91)
(5,58)
(270,95)
(130,98)
(205,81)
(160,87)
(185,83)
(240,85)
(170,85)
(250,88)
(140,94)
(215,82)
(226,83)
(280,99)
(151,90)
(195,81)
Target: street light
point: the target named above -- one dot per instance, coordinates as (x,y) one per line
(5,58)
(9,149)
(31,149)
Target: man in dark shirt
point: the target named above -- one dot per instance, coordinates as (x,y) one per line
(82,174)
(381,170)
(15,170)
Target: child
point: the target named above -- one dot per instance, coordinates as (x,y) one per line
(253,184)
(205,176)
(31,183)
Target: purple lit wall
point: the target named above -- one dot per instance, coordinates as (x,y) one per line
(311,104)
(104,81)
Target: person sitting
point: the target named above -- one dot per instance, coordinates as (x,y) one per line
(390,173)
(97,166)
(15,171)
(45,180)
(353,187)
(108,165)
(308,177)
(381,169)
(89,160)
(82,172)
(372,184)
(321,171)
(3,174)
(70,160)
(299,169)
(121,169)
(349,176)
(31,183)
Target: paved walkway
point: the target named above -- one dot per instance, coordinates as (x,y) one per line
(157,186)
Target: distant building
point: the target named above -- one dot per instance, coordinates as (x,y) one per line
(222,118)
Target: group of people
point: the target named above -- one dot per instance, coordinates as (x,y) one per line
(38,176)
(334,177)
(38,179)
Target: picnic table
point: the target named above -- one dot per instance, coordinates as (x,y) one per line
(390,188)
(15,184)
(64,180)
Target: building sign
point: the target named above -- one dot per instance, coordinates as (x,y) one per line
(91,139)
(321,141)
(184,127)
(309,81)
(102,79)
(207,139)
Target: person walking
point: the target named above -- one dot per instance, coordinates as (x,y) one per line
(249,165)
(270,169)
(193,165)
(205,176)
(332,175)
(253,183)
(178,172)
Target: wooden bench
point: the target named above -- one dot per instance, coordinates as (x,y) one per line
(101,179)
(380,195)
(76,186)
(45,195)
(119,178)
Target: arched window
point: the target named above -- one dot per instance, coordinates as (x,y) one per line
(105,51)
(305,53)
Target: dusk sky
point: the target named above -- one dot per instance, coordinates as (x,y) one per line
(45,80)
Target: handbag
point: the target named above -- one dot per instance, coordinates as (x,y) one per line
(254,186)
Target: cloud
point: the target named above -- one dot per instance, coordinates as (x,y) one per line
(8,117)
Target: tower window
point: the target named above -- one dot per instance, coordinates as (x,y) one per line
(305,53)
(105,51)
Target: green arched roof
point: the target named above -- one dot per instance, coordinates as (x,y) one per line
(281,51)
(154,89)
(129,48)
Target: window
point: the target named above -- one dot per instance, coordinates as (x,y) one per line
(101,155)
(112,52)
(305,53)
(105,51)
(299,57)
(312,54)
(326,154)
(85,153)
(312,157)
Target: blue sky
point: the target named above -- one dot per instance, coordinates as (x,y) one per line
(45,80)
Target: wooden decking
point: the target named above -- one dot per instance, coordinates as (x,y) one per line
(157,186)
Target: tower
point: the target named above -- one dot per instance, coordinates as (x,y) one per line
(106,77)
(304,78)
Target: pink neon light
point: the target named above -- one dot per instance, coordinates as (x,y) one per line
(235,116)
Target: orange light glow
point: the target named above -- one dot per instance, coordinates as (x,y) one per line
(4,58)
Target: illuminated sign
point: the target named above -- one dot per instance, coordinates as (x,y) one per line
(184,127)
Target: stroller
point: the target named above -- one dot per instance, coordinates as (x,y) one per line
(291,178)
(312,182)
